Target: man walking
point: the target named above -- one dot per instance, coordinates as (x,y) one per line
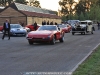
(6,28)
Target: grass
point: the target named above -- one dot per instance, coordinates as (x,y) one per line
(91,66)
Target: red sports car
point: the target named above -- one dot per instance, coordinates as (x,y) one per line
(46,33)
(65,27)
(32,27)
(1,28)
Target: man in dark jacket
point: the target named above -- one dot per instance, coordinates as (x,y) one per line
(6,28)
(35,26)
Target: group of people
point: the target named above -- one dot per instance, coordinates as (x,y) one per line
(48,23)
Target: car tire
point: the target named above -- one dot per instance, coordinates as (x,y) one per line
(30,42)
(91,32)
(53,41)
(73,33)
(61,39)
(84,33)
(81,33)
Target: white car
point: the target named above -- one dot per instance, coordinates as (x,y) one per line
(17,29)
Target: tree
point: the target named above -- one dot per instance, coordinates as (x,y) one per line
(5,2)
(94,12)
(35,3)
(67,6)
(21,1)
(80,7)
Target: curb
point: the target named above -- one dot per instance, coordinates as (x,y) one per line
(84,59)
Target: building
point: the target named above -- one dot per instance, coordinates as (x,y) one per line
(1,8)
(17,12)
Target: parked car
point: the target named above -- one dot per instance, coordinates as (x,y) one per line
(1,28)
(32,27)
(27,29)
(46,33)
(17,29)
(65,27)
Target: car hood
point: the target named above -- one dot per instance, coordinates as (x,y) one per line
(65,28)
(41,33)
(15,29)
(83,25)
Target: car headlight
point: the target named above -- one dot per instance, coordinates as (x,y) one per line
(49,36)
(24,30)
(11,30)
(26,35)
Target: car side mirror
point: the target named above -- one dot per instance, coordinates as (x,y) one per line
(59,29)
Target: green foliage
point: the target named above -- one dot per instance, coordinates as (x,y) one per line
(82,17)
(32,2)
(84,9)
(21,1)
(5,2)
(35,3)
(66,6)
(91,66)
(63,18)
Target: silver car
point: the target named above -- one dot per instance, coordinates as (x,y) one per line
(17,29)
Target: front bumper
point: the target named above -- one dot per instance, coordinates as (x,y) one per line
(38,39)
(78,30)
(16,33)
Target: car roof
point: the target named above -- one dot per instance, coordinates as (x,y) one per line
(14,24)
(49,25)
(86,21)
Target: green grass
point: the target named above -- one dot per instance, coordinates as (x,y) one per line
(91,66)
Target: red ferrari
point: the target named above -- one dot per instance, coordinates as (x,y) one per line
(46,33)
(1,28)
(32,27)
(66,28)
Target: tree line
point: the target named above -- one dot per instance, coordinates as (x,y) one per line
(82,10)
(35,3)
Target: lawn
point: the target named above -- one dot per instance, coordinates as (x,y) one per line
(91,66)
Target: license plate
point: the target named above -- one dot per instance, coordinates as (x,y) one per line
(29,38)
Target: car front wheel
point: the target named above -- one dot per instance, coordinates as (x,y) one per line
(61,39)
(53,41)
(30,42)
(73,33)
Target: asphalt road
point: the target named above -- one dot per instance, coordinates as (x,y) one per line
(17,57)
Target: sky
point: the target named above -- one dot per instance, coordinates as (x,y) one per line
(50,4)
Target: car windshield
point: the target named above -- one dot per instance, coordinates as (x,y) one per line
(47,27)
(73,21)
(83,22)
(62,26)
(15,26)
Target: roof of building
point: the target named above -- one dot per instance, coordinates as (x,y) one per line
(1,8)
(33,11)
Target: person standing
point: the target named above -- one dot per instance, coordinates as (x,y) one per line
(98,24)
(6,28)
(35,26)
(55,23)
